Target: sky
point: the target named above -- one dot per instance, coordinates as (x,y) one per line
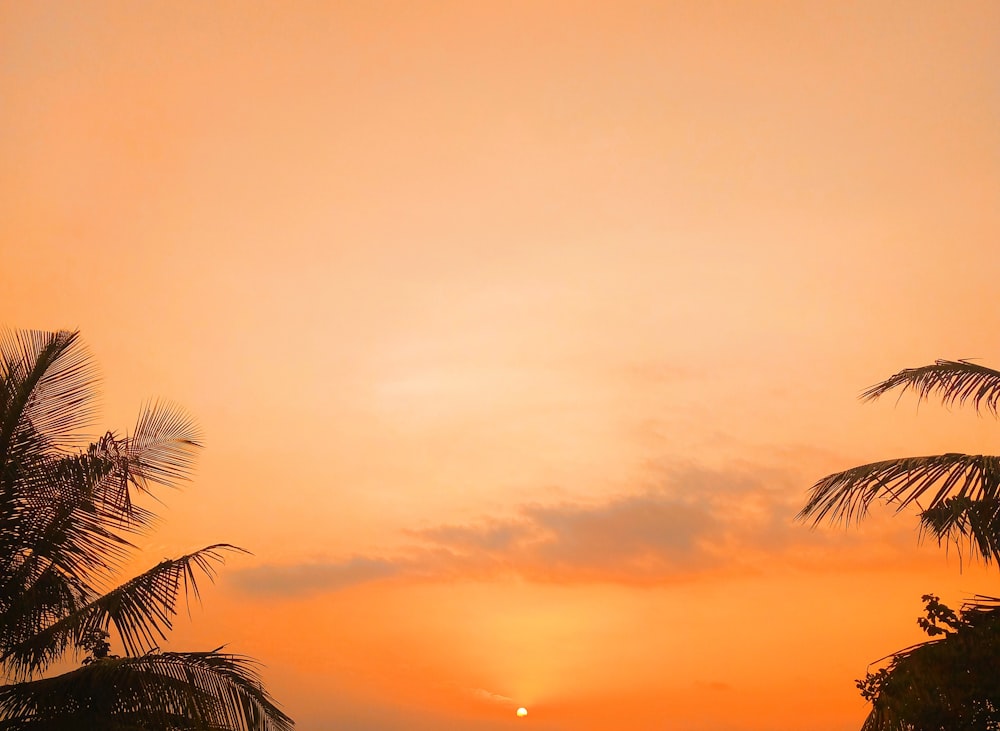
(517,332)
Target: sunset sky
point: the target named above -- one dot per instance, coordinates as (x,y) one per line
(518,331)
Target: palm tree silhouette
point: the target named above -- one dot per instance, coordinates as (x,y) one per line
(950,682)
(66,515)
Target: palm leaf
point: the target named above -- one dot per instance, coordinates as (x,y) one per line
(956,381)
(65,518)
(83,489)
(56,545)
(172,690)
(49,598)
(964,521)
(846,496)
(74,509)
(162,449)
(49,389)
(141,611)
(59,514)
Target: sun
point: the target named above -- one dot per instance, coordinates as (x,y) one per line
(522,712)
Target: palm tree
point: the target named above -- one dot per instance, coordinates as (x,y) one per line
(948,683)
(66,516)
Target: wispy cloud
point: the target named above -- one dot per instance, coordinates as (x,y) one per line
(308,577)
(485,695)
(694,521)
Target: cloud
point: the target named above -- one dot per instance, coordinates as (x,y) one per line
(488,536)
(641,534)
(690,522)
(304,578)
(485,695)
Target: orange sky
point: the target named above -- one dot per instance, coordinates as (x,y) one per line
(517,331)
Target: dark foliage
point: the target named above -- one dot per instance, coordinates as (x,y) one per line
(949,683)
(67,514)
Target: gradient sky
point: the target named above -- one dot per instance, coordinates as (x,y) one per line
(518,331)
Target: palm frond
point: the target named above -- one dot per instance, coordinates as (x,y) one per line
(140,610)
(163,446)
(56,547)
(964,521)
(50,597)
(62,511)
(846,496)
(956,381)
(119,466)
(66,515)
(981,606)
(49,388)
(76,509)
(172,690)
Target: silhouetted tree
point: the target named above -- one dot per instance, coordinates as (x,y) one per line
(66,515)
(949,683)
